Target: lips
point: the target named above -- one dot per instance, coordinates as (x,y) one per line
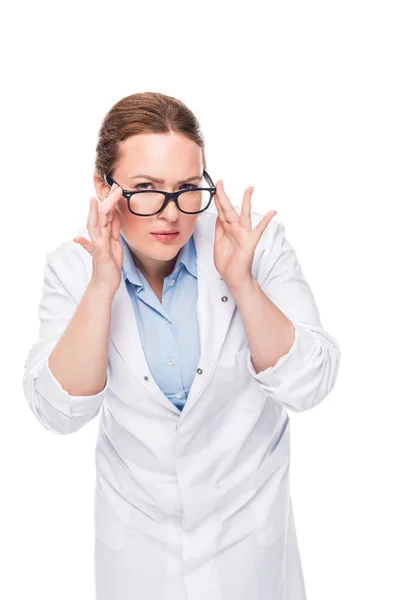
(165,237)
(164,232)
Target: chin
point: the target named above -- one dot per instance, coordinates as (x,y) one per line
(165,253)
(161,251)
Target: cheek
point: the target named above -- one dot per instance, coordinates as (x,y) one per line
(192,223)
(132,226)
(128,220)
(122,207)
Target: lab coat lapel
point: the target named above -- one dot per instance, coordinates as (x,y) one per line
(215,307)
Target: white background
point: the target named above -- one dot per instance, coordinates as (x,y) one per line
(299,99)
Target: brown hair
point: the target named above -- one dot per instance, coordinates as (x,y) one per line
(146,112)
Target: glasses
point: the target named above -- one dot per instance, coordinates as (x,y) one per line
(146,203)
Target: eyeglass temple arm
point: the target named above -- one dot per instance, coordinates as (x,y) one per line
(208,178)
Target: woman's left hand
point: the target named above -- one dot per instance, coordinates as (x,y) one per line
(235,240)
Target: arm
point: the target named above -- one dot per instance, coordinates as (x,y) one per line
(290,354)
(268,330)
(66,375)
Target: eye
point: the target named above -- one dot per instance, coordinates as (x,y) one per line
(190,185)
(139,185)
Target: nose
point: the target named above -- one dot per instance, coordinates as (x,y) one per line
(170,212)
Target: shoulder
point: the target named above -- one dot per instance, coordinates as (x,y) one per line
(71,263)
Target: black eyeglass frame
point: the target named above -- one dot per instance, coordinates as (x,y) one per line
(168,195)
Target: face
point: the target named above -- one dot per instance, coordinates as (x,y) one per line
(170,157)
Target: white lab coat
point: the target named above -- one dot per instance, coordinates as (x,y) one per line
(193,505)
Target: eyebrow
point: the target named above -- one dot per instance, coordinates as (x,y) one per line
(162,180)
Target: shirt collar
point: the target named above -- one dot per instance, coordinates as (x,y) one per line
(186,257)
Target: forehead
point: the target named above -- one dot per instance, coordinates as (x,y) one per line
(163,155)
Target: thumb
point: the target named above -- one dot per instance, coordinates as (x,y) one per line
(84,243)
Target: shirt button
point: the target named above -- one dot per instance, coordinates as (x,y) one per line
(178,395)
(224,298)
(171,360)
(199,371)
(171,282)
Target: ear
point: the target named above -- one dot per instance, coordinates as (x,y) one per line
(101,187)
(102,191)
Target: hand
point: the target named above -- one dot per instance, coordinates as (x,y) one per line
(235,240)
(105,246)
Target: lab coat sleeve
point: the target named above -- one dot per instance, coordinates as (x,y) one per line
(51,404)
(304,376)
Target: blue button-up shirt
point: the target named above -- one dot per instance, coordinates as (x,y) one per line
(169,331)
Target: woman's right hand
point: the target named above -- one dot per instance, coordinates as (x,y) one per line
(105,246)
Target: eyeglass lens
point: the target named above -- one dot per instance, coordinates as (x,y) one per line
(149,202)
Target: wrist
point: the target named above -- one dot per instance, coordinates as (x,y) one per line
(100,289)
(246,288)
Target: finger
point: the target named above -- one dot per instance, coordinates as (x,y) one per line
(262,225)
(229,212)
(86,244)
(219,230)
(115,225)
(221,215)
(110,215)
(102,217)
(111,200)
(245,213)
(91,224)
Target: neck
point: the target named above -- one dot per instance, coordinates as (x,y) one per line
(154,270)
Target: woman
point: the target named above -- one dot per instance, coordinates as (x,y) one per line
(192,345)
